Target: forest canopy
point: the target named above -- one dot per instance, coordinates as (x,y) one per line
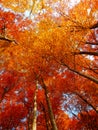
(48,65)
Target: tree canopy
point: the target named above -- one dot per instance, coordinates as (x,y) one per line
(48,65)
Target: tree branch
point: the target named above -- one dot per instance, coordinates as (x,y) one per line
(91,78)
(86,53)
(7,39)
(92,43)
(94,26)
(81,97)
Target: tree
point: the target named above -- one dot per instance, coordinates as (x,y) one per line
(48,44)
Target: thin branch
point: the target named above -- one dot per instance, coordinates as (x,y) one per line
(32,7)
(7,39)
(86,53)
(87,102)
(84,75)
(92,43)
(91,78)
(94,26)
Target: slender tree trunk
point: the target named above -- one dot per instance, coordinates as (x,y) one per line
(51,116)
(30,117)
(45,116)
(48,126)
(34,125)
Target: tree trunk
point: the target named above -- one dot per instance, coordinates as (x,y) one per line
(34,125)
(51,116)
(46,118)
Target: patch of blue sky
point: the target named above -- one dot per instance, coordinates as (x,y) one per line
(24,120)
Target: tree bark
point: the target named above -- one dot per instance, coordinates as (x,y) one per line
(34,124)
(45,116)
(51,116)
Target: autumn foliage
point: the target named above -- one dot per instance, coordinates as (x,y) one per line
(48,65)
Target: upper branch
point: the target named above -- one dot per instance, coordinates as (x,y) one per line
(87,53)
(94,26)
(7,39)
(92,43)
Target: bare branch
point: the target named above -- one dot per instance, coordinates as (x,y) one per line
(7,39)
(83,75)
(91,78)
(92,43)
(86,53)
(87,102)
(94,26)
